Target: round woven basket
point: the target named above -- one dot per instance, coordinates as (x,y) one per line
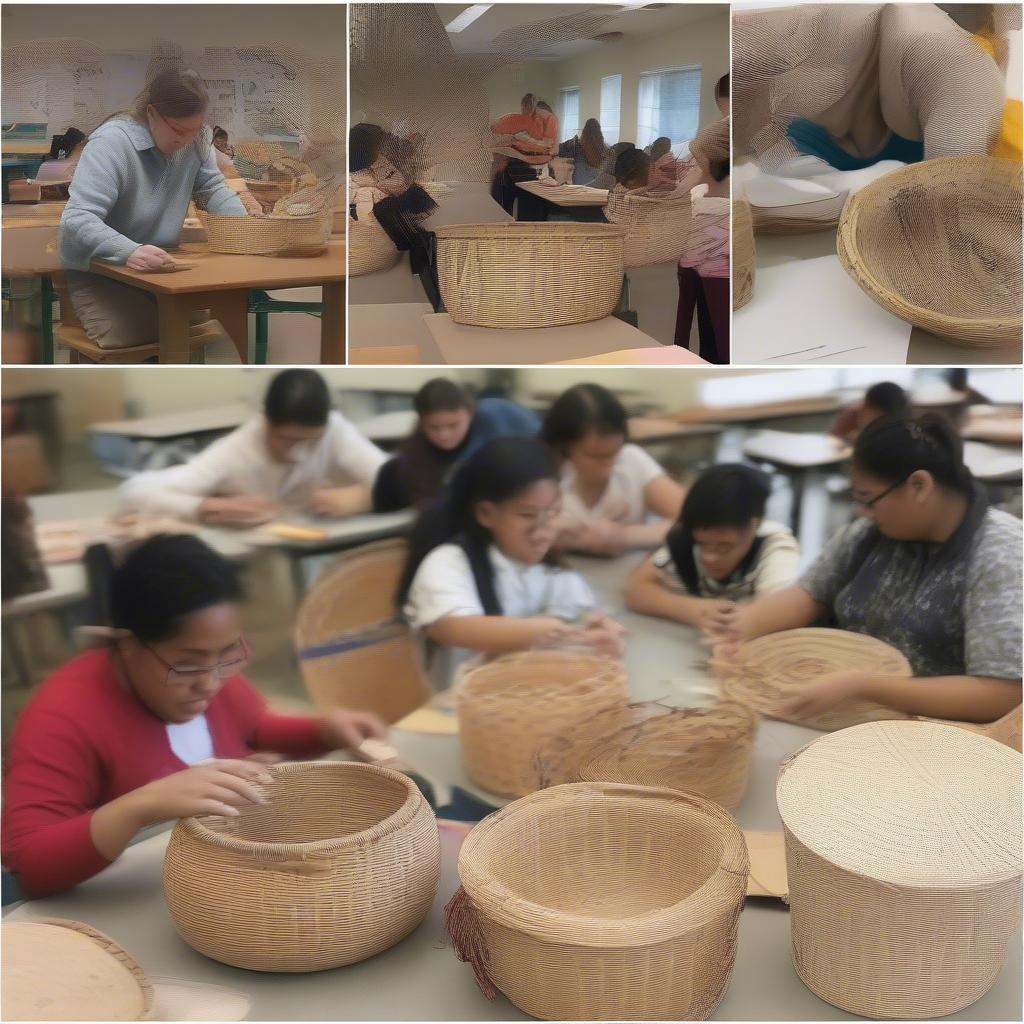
(597,901)
(705,751)
(509,709)
(744,255)
(342,863)
(268,236)
(517,276)
(657,230)
(369,248)
(776,667)
(938,244)
(914,830)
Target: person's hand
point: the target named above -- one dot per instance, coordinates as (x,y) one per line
(237,510)
(150,258)
(337,502)
(251,203)
(598,537)
(822,695)
(717,618)
(348,729)
(266,757)
(219,786)
(603,635)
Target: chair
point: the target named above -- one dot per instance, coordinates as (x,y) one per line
(261,304)
(656,229)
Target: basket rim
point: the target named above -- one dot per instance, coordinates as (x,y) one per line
(196,828)
(824,632)
(206,216)
(530,229)
(479,675)
(541,922)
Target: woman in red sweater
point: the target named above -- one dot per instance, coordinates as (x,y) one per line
(158,726)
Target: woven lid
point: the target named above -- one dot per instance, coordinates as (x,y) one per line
(907,803)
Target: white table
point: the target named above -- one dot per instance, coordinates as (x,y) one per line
(373,325)
(566,194)
(388,428)
(468,202)
(992,464)
(187,423)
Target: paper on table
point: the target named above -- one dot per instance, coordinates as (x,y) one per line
(174,999)
(767,853)
(810,311)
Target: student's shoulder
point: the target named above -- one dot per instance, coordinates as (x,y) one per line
(120,134)
(444,559)
(776,536)
(996,547)
(638,459)
(74,694)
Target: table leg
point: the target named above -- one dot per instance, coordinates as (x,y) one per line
(231,308)
(46,318)
(797,480)
(332,323)
(173,318)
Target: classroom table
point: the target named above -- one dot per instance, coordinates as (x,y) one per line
(221,282)
(564,198)
(991,464)
(373,325)
(760,411)
(993,424)
(420,978)
(388,429)
(174,426)
(467,202)
(666,355)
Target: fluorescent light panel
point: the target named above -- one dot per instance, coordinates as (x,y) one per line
(467,17)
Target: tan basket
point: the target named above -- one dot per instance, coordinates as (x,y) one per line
(517,276)
(938,244)
(657,230)
(705,751)
(268,236)
(744,254)
(597,901)
(1007,729)
(369,248)
(353,651)
(774,668)
(512,707)
(342,863)
(913,830)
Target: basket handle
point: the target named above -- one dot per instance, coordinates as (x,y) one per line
(468,940)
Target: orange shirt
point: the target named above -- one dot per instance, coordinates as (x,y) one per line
(534,125)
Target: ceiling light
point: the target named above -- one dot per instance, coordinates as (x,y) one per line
(467,17)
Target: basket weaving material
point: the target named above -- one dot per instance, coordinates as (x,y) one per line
(268,236)
(1007,729)
(744,255)
(774,668)
(914,830)
(597,901)
(938,244)
(705,751)
(369,248)
(342,863)
(657,230)
(510,709)
(353,651)
(517,276)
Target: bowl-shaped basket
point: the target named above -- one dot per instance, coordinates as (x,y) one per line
(342,863)
(744,256)
(938,244)
(596,901)
(271,235)
(657,230)
(369,248)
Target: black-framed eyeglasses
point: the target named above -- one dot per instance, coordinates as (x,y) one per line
(178,675)
(871,502)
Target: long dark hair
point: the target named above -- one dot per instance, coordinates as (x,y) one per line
(498,471)
(65,143)
(364,145)
(729,494)
(632,167)
(592,142)
(581,410)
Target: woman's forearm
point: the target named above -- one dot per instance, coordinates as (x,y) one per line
(791,608)
(645,535)
(492,634)
(650,597)
(962,698)
(115,824)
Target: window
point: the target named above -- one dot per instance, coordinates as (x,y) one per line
(611,107)
(669,105)
(569,112)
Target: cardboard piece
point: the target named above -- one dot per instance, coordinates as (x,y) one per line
(432,721)
(767,853)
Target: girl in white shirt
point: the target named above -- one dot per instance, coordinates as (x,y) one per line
(721,550)
(286,456)
(480,574)
(611,490)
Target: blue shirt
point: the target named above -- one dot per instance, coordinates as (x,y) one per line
(497,417)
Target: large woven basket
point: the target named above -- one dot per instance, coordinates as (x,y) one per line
(938,244)
(342,863)
(744,255)
(268,236)
(1008,729)
(913,831)
(510,708)
(516,276)
(597,901)
(705,751)
(657,230)
(369,248)
(775,668)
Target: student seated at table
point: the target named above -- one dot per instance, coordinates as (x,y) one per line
(882,399)
(592,159)
(159,724)
(929,568)
(664,167)
(282,457)
(720,550)
(611,489)
(451,425)
(633,172)
(481,575)
(62,161)
(129,198)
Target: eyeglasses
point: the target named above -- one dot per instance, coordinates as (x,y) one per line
(180,675)
(542,517)
(871,502)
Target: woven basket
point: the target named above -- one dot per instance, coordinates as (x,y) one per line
(369,248)
(517,276)
(774,668)
(342,863)
(1007,729)
(744,254)
(510,709)
(914,830)
(657,230)
(938,244)
(597,901)
(355,653)
(705,751)
(268,236)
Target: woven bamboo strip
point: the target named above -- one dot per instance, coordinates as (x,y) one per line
(657,230)
(744,254)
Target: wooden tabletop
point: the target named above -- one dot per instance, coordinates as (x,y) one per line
(16,215)
(178,424)
(993,423)
(14,148)
(647,429)
(567,194)
(796,451)
(763,410)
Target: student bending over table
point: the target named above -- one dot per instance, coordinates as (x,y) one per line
(882,399)
(158,725)
(281,457)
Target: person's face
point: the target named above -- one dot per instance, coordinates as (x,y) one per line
(593,457)
(292,442)
(173,133)
(221,143)
(900,509)
(866,415)
(446,428)
(160,675)
(720,549)
(523,527)
(723,105)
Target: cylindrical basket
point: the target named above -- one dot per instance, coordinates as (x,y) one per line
(342,863)
(657,230)
(510,708)
(744,256)
(596,901)
(705,751)
(903,851)
(268,236)
(369,248)
(517,276)
(776,667)
(938,244)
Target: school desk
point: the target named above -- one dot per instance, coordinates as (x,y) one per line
(388,429)
(814,407)
(574,202)
(420,978)
(991,464)
(993,424)
(387,324)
